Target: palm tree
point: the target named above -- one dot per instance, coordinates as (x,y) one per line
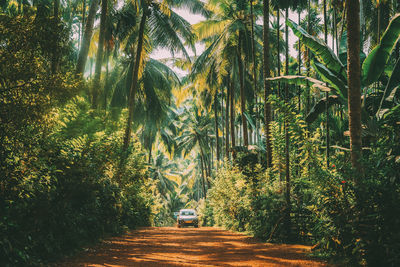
(228,39)
(267,88)
(83,53)
(160,170)
(100,52)
(55,57)
(194,136)
(354,80)
(152,109)
(166,29)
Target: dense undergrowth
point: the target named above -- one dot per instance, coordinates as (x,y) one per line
(59,188)
(352,222)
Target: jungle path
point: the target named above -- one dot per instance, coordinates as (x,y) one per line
(205,246)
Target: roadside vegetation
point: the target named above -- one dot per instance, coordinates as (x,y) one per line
(292,141)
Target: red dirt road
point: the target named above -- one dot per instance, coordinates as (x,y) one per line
(207,246)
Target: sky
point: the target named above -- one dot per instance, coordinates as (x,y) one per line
(194,18)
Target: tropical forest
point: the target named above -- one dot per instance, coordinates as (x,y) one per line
(276,121)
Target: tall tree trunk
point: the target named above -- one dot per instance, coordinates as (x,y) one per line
(299,67)
(232,106)
(242,96)
(87,36)
(135,77)
(100,52)
(227,119)
(326,93)
(378,31)
(55,56)
(216,129)
(150,150)
(287,172)
(325,24)
(336,30)
(222,123)
(202,175)
(308,104)
(267,86)
(106,84)
(83,23)
(19,6)
(354,81)
(253,49)
(56,8)
(278,48)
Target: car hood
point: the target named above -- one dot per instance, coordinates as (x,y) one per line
(188,217)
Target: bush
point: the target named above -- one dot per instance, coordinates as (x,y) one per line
(62,193)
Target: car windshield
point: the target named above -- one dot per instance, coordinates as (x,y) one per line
(187,212)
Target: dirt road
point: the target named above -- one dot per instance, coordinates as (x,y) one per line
(168,246)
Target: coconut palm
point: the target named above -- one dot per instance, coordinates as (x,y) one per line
(197,126)
(100,52)
(87,36)
(161,171)
(165,29)
(228,33)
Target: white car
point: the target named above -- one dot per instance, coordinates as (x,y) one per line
(187,217)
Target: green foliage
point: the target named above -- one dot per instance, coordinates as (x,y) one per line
(319,48)
(63,192)
(28,91)
(229,199)
(375,63)
(58,189)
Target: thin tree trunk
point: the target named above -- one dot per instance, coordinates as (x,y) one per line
(100,52)
(91,69)
(378,35)
(87,36)
(222,123)
(333,30)
(106,84)
(253,48)
(202,176)
(232,106)
(19,6)
(327,93)
(336,31)
(227,120)
(135,77)
(55,56)
(354,81)
(288,204)
(362,22)
(150,150)
(242,96)
(82,27)
(308,104)
(56,8)
(325,24)
(299,67)
(278,50)
(267,86)
(216,129)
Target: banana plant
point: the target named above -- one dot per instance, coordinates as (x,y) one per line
(332,70)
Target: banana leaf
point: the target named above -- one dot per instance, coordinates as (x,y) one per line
(391,86)
(336,82)
(320,107)
(250,120)
(374,64)
(301,80)
(319,48)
